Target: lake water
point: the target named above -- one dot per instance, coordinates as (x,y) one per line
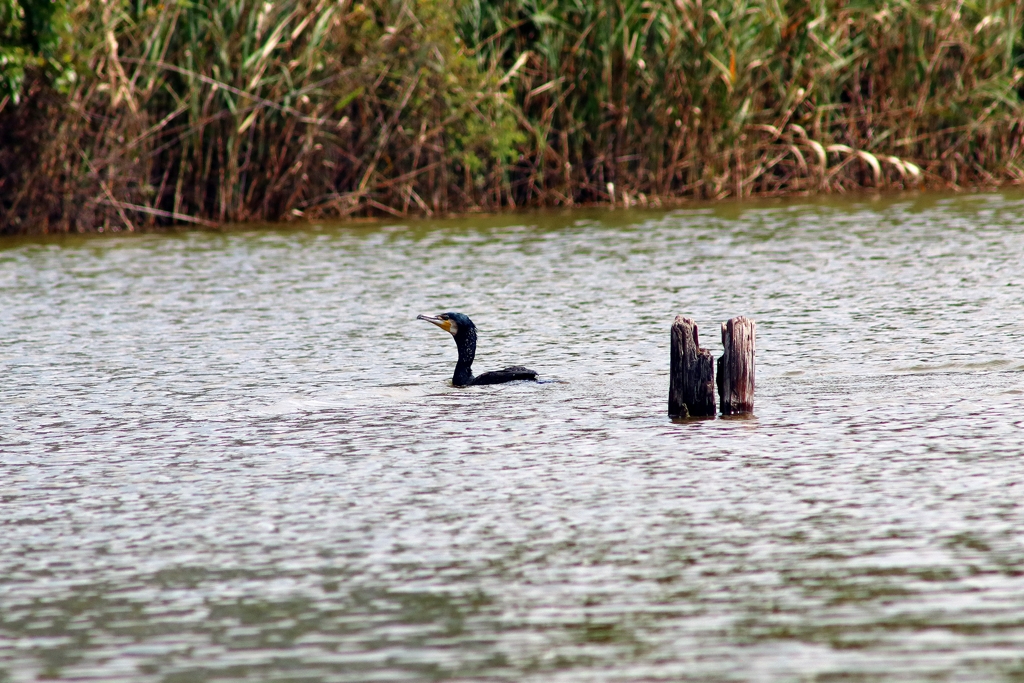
(238,455)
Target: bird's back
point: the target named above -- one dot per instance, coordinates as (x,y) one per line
(509,374)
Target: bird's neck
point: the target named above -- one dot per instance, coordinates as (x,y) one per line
(467,351)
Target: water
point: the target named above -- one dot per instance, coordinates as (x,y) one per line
(237,456)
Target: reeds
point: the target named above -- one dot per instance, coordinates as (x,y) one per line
(252,111)
(753,97)
(242,111)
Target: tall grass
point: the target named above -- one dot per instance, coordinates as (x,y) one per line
(740,97)
(240,111)
(237,111)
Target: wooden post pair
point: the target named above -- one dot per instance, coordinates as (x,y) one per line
(691,387)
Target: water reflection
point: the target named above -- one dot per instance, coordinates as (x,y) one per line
(237,456)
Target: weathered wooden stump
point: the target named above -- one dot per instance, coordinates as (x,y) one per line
(736,367)
(691,384)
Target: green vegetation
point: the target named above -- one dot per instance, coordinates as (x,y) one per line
(33,33)
(235,111)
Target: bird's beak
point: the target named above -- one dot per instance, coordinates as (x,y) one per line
(445,325)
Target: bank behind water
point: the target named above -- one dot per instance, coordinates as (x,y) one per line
(155,114)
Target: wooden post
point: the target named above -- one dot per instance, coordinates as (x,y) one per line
(691,383)
(736,367)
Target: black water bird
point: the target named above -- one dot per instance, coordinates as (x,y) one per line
(464,332)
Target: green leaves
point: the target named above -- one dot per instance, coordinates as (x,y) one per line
(34,34)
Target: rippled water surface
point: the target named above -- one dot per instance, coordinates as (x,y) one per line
(238,456)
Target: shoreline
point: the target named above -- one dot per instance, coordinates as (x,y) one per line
(661,206)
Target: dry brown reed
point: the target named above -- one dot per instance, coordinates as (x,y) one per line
(237,111)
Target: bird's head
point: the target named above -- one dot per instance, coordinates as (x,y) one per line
(452,323)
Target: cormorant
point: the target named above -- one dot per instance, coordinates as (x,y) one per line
(464,332)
